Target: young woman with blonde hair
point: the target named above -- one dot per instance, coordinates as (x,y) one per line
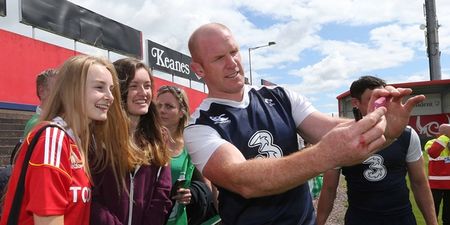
(85,104)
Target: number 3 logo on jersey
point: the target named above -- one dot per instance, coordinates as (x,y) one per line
(267,149)
(376,171)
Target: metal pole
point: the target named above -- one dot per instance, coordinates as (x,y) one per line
(250,57)
(250,65)
(432,40)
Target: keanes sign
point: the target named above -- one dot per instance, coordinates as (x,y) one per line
(170,61)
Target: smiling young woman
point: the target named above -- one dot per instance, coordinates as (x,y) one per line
(83,104)
(148,178)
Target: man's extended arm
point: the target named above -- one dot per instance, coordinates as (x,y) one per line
(421,191)
(346,144)
(327,195)
(342,142)
(312,132)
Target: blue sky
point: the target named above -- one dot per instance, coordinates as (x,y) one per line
(322,45)
(391,47)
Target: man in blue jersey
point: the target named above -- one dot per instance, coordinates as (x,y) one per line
(243,138)
(376,188)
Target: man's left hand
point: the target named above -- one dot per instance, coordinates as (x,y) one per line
(398,113)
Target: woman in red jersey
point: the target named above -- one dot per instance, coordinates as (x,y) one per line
(85,103)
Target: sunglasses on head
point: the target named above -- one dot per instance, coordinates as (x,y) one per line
(175,91)
(169,88)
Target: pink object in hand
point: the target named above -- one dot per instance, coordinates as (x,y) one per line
(381,101)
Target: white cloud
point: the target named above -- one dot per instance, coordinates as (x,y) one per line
(393,39)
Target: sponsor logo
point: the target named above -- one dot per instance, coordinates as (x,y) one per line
(376,171)
(269,101)
(75,162)
(220,119)
(263,139)
(82,194)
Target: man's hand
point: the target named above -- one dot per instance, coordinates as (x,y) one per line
(352,142)
(444,129)
(397,115)
(183,196)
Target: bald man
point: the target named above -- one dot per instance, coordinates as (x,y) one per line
(244,138)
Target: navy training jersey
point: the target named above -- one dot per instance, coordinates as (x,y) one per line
(264,128)
(378,185)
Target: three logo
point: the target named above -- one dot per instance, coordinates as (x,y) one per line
(377,170)
(262,139)
(267,149)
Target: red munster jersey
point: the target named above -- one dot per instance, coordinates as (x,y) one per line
(55,183)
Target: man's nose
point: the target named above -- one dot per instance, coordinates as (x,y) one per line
(231,61)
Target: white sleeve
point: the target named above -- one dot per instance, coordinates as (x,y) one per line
(415,149)
(201,142)
(301,106)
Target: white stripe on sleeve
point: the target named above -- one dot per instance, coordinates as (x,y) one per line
(46,146)
(60,144)
(53,147)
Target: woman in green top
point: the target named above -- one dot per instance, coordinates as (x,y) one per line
(174,112)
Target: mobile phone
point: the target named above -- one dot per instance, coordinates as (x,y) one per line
(381,101)
(357,114)
(179,183)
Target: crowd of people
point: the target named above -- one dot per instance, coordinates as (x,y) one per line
(120,155)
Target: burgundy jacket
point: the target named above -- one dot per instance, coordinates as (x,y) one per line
(151,197)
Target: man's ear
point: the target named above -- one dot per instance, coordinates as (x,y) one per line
(198,69)
(355,102)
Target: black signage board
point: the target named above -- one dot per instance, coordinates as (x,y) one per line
(72,21)
(170,61)
(2,7)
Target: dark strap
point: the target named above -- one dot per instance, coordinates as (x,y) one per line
(13,217)
(14,152)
